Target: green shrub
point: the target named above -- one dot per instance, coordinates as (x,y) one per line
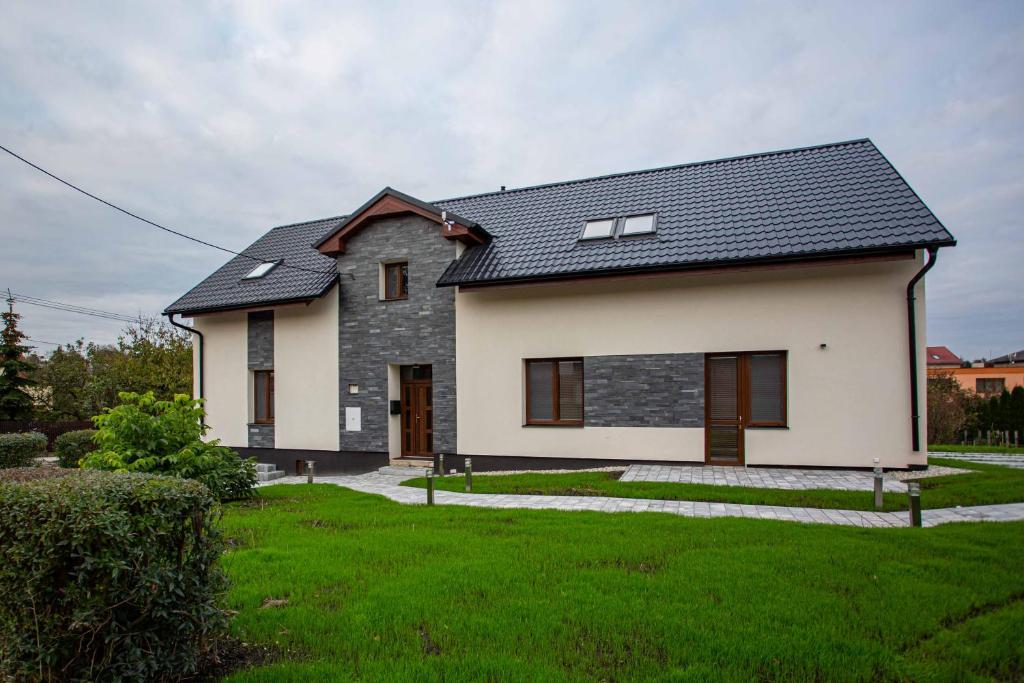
(165,437)
(108,576)
(71,447)
(19,450)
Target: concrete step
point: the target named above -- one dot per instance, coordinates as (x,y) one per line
(265,467)
(404,470)
(269,476)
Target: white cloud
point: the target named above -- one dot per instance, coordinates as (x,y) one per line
(233,116)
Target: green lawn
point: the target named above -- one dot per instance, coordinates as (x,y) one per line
(380,591)
(987,485)
(958,448)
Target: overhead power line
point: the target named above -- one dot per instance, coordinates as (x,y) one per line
(149,222)
(74,308)
(40,341)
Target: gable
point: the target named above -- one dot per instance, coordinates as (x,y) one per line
(389,202)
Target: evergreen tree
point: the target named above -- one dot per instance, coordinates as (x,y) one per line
(15,370)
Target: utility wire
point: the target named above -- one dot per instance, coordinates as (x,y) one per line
(82,310)
(153,223)
(40,341)
(75,308)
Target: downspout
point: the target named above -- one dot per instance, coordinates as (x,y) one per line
(170,317)
(915,417)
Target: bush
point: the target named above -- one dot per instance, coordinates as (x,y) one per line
(108,576)
(71,447)
(19,450)
(165,437)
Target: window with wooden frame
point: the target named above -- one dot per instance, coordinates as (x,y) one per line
(554,392)
(396,281)
(989,385)
(263,396)
(764,374)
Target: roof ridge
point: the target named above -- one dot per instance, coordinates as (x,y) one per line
(315,220)
(659,169)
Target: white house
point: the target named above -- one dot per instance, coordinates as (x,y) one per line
(759,310)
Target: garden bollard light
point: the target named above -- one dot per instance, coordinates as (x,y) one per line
(309,471)
(914,489)
(878,484)
(469,475)
(430,488)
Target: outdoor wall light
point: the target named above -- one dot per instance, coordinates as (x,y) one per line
(823,346)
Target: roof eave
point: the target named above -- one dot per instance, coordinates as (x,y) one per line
(691,266)
(306,298)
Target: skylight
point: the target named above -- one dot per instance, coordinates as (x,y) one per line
(596,229)
(638,225)
(261,270)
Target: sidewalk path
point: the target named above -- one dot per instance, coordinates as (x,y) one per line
(1004,459)
(388,486)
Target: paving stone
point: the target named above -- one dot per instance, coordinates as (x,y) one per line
(388,486)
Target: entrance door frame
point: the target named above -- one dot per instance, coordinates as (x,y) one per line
(417,409)
(741,402)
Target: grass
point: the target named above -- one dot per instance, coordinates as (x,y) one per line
(960,448)
(986,485)
(380,591)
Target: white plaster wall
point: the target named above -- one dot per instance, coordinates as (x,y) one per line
(306,395)
(226,380)
(847,404)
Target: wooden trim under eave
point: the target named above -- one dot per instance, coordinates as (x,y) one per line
(389,205)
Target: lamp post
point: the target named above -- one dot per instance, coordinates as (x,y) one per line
(914,489)
(878,484)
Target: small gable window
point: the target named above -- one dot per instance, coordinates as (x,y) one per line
(396,281)
(596,229)
(261,270)
(638,225)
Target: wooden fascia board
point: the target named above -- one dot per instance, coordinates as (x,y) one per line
(389,205)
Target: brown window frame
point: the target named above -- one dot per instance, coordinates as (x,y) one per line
(987,380)
(555,403)
(403,288)
(268,397)
(744,359)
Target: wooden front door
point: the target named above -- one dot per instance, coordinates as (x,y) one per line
(723,423)
(418,417)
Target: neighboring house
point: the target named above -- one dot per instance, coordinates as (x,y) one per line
(942,357)
(987,378)
(708,312)
(1009,360)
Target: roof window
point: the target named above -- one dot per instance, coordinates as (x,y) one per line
(596,229)
(638,225)
(261,270)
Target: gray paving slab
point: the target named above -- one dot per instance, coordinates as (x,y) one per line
(1004,459)
(389,486)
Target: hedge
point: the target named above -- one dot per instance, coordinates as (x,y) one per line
(20,449)
(71,447)
(108,576)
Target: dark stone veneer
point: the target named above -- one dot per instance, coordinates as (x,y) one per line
(650,390)
(260,353)
(374,333)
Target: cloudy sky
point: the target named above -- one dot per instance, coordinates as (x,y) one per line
(225,119)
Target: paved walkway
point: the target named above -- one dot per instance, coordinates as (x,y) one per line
(762,477)
(1004,459)
(388,486)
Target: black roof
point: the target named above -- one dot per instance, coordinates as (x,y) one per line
(812,202)
(1010,358)
(303,274)
(829,200)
